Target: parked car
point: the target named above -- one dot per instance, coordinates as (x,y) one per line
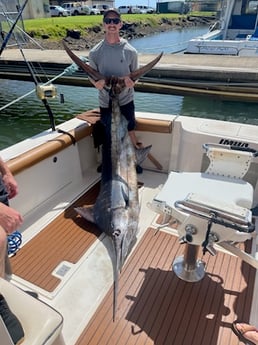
(94,11)
(58,11)
(101,8)
(146,9)
(76,8)
(129,9)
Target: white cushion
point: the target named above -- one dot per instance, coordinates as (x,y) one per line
(180,184)
(41,323)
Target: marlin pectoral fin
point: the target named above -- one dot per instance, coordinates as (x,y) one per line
(86,212)
(95,75)
(142,153)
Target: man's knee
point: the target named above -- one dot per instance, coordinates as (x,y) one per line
(3,239)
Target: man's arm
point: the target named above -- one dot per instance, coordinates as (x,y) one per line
(10,219)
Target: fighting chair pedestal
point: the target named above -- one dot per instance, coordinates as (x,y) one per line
(188,267)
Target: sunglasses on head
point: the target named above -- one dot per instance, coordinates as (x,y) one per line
(112,20)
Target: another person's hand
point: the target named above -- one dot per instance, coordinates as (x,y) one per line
(10,185)
(10,219)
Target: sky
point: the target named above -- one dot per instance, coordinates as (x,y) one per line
(151,3)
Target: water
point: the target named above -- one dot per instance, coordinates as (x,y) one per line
(29,116)
(168,42)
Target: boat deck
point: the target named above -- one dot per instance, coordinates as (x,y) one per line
(154,305)
(72,234)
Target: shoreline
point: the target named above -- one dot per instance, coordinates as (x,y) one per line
(78,40)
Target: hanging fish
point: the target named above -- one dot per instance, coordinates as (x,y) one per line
(116,211)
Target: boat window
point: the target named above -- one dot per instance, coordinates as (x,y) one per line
(252,7)
(243,22)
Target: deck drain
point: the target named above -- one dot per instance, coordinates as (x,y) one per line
(62,270)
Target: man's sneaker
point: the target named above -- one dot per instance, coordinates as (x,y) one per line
(139,169)
(11,322)
(99,168)
(14,242)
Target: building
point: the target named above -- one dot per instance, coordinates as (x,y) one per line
(205,5)
(175,6)
(40,8)
(33,9)
(183,6)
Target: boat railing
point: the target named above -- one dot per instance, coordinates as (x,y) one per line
(224,48)
(47,149)
(202,46)
(65,139)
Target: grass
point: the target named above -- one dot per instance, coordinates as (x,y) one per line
(56,27)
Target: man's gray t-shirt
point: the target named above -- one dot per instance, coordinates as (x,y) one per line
(116,60)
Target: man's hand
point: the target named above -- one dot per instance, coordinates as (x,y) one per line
(10,219)
(129,82)
(10,185)
(99,84)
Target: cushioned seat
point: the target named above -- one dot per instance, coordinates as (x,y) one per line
(233,196)
(41,323)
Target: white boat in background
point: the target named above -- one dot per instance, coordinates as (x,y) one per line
(235,33)
(186,208)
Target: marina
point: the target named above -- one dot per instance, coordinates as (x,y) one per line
(224,77)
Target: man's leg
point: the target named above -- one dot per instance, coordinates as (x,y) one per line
(3,245)
(134,139)
(5,262)
(128,110)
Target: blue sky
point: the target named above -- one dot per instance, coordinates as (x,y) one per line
(151,3)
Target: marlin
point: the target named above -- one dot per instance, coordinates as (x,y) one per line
(116,211)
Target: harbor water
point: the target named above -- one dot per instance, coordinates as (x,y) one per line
(28,116)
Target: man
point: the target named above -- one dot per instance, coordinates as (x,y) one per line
(114,56)
(10,220)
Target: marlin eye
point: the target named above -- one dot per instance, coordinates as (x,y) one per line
(117,233)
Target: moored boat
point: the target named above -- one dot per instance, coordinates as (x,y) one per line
(235,33)
(68,262)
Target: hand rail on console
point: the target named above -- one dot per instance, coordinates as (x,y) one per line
(235,217)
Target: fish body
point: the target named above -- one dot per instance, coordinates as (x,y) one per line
(116,210)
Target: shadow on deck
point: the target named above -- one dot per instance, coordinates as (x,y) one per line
(155,307)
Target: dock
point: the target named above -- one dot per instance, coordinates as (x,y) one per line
(226,77)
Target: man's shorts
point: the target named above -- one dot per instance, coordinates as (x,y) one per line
(128,110)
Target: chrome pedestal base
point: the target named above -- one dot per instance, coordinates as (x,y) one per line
(187,267)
